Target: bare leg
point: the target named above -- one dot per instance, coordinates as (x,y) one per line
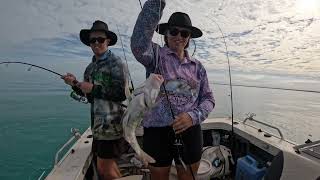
(159,173)
(108,169)
(186,175)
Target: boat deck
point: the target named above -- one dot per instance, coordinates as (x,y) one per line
(75,163)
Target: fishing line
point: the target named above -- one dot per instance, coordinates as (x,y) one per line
(31,65)
(195,47)
(230,82)
(179,140)
(265,87)
(73,95)
(140,4)
(229,69)
(125,57)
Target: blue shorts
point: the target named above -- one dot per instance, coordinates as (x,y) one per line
(159,142)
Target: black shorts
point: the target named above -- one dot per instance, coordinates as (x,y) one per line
(109,149)
(158,142)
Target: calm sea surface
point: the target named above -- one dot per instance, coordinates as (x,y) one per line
(36,114)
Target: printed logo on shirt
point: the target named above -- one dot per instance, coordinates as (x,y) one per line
(103,79)
(181,92)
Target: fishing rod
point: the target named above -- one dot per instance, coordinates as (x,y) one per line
(178,141)
(230,82)
(73,94)
(125,57)
(31,65)
(266,87)
(195,47)
(140,4)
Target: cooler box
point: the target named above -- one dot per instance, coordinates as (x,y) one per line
(247,169)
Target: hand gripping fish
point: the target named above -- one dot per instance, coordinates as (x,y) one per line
(142,100)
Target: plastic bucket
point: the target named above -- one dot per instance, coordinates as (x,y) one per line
(205,170)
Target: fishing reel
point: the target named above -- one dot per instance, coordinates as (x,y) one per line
(78,98)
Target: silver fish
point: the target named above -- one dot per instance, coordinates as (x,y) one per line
(142,100)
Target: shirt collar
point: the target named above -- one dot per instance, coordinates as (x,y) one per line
(103,57)
(188,59)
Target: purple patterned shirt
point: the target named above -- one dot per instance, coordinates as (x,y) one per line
(186,82)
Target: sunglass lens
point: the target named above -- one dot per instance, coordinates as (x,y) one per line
(184,33)
(99,39)
(175,32)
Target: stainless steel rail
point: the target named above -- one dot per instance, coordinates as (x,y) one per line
(250,117)
(75,135)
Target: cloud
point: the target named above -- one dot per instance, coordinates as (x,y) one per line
(261,35)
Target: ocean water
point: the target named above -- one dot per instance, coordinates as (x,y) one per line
(36,114)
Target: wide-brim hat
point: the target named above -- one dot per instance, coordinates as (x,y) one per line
(98,26)
(179,19)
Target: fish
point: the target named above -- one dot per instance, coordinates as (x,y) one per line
(141,101)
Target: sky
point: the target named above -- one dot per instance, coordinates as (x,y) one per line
(274,37)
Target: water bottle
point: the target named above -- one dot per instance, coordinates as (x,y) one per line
(215,138)
(79,98)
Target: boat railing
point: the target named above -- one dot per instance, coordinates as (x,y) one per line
(311,148)
(75,135)
(42,175)
(250,118)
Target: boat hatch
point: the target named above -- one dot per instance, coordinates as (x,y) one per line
(312,149)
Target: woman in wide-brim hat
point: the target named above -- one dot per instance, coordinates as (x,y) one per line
(186,82)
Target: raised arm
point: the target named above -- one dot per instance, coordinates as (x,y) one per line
(141,40)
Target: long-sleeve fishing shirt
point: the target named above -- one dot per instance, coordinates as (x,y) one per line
(186,82)
(110,78)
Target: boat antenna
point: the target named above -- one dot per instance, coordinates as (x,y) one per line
(31,65)
(230,79)
(125,57)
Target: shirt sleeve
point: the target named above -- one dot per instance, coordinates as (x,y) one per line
(141,40)
(206,100)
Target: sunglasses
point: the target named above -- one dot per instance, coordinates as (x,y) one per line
(175,32)
(99,39)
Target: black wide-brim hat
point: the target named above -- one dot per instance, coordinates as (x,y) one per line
(179,19)
(98,26)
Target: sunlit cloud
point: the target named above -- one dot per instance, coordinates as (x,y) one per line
(268,36)
(311,7)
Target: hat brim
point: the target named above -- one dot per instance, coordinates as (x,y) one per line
(84,36)
(162,29)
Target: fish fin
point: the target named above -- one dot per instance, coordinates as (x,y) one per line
(146,158)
